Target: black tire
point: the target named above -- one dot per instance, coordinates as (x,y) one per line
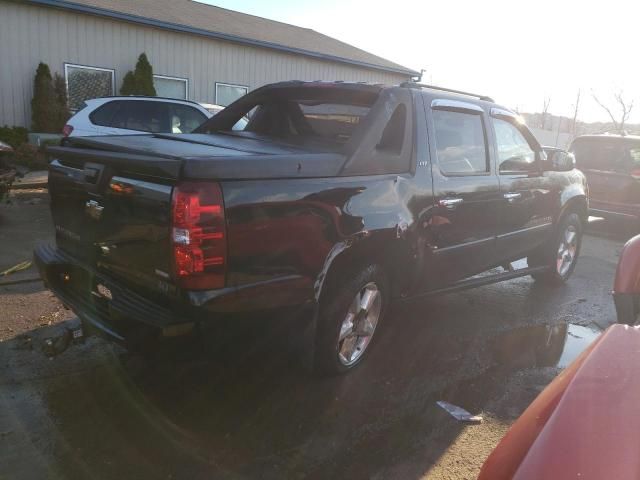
(548,255)
(333,310)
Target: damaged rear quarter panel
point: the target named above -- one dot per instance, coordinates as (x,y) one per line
(307,225)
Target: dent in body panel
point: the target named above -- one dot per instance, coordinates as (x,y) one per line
(307,225)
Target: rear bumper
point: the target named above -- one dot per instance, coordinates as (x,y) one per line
(120,317)
(126,316)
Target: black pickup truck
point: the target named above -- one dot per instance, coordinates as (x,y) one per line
(335,200)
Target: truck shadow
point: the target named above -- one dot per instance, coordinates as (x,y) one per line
(253,410)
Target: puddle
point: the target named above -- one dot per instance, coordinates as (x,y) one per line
(578,339)
(542,345)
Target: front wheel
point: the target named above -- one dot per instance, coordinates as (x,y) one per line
(349,317)
(561,254)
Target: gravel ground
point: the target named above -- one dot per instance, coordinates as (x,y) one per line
(253,411)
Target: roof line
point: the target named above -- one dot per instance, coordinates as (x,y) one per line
(91,10)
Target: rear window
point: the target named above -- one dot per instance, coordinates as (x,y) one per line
(148,116)
(327,116)
(607,154)
(299,120)
(331,120)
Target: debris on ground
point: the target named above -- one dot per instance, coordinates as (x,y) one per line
(17,268)
(54,346)
(459,413)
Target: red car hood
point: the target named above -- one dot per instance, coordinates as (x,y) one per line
(585,424)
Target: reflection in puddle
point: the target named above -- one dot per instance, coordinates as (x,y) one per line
(542,345)
(578,339)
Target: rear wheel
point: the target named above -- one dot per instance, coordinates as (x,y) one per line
(561,254)
(349,317)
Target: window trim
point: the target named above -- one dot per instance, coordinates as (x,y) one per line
(181,79)
(87,67)
(464,111)
(456,106)
(222,84)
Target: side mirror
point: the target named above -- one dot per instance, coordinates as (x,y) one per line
(560,161)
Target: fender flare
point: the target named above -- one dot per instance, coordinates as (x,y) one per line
(365,248)
(574,199)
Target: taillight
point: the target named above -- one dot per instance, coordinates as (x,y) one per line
(635,173)
(199,236)
(66,130)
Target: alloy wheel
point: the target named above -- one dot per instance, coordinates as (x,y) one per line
(359,324)
(567,250)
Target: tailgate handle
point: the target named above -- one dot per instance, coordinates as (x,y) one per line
(91,175)
(92,172)
(512,196)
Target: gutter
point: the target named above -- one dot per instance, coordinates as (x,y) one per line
(102,12)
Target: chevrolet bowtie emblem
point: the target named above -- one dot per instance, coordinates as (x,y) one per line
(93,209)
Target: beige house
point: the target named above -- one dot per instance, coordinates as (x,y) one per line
(198,51)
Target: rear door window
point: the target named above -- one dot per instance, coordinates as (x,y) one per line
(461,145)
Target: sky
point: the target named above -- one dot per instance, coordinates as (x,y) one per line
(517,52)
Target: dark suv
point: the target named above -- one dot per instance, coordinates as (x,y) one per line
(611,164)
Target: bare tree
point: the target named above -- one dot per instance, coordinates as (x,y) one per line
(543,120)
(625,110)
(574,124)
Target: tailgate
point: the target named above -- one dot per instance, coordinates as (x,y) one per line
(112,211)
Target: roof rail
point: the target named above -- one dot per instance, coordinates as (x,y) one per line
(449,90)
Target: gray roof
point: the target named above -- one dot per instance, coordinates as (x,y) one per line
(203,19)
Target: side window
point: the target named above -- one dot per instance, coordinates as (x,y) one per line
(103,115)
(143,116)
(460,142)
(393,134)
(185,119)
(514,152)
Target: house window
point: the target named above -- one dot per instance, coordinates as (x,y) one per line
(171,87)
(84,83)
(227,93)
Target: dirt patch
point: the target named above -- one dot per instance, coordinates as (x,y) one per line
(25,308)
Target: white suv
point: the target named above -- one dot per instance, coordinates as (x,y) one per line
(133,115)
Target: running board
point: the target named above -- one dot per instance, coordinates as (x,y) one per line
(481,281)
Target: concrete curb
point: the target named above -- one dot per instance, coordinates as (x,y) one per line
(28,186)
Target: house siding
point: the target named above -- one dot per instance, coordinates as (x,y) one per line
(31,34)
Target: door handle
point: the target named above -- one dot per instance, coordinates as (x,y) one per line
(511,196)
(450,203)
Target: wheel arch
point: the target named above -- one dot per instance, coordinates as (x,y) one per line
(574,202)
(349,257)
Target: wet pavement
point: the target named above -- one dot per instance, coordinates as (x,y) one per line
(252,410)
